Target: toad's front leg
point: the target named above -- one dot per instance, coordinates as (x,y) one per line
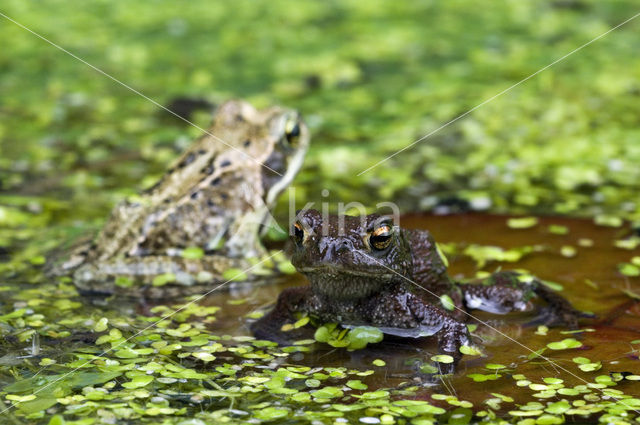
(290,301)
(451,333)
(508,291)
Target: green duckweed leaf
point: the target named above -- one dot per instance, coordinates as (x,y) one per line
(555,286)
(557,229)
(442,358)
(192,253)
(460,416)
(57,420)
(493,366)
(327,392)
(608,221)
(558,407)
(356,384)
(565,344)
(379,362)
(373,395)
(235,275)
(479,377)
(628,269)
(123,282)
(470,351)
(590,367)
(442,256)
(271,413)
(101,325)
(138,382)
(522,222)
(360,336)
(447,303)
(568,251)
(163,279)
(419,407)
(286,267)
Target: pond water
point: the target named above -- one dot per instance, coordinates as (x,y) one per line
(199,364)
(607,339)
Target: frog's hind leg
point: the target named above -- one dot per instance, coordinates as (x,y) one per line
(507,291)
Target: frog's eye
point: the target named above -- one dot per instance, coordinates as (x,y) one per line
(297,233)
(381,236)
(292,131)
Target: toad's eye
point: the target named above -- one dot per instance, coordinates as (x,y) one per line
(297,233)
(292,131)
(381,237)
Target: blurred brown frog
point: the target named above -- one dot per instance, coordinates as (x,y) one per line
(215,197)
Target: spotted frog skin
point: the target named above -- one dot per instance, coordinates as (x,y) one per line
(366,271)
(215,196)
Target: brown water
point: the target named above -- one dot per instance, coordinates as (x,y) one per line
(617,323)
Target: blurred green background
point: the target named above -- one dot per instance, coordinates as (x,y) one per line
(370,78)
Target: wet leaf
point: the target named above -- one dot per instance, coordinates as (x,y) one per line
(101,325)
(442,256)
(565,344)
(447,303)
(522,222)
(192,253)
(557,229)
(470,351)
(356,384)
(138,382)
(628,269)
(479,377)
(235,275)
(163,279)
(327,392)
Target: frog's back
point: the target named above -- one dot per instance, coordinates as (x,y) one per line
(214,196)
(216,180)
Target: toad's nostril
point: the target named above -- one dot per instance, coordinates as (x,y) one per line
(343,246)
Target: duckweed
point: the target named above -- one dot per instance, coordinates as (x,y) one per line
(88,145)
(522,222)
(447,303)
(353,339)
(192,253)
(479,377)
(557,229)
(565,344)
(470,351)
(235,275)
(482,254)
(442,358)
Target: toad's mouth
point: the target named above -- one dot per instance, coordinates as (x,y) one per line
(331,270)
(348,284)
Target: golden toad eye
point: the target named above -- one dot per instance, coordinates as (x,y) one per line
(381,237)
(297,233)
(292,131)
